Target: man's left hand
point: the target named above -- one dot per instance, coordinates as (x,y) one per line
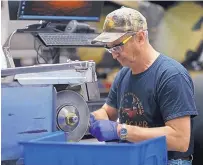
(104,130)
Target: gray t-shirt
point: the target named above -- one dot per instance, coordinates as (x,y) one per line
(163,92)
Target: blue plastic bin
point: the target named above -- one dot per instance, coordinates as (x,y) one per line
(54,150)
(27,113)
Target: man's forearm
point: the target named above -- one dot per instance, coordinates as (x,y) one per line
(174,141)
(100,114)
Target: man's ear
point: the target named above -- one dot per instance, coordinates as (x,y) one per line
(141,37)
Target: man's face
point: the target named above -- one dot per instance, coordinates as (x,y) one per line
(127,52)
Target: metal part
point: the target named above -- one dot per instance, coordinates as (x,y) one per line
(72,65)
(72,73)
(67,118)
(72,114)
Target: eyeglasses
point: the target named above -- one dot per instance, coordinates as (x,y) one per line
(117,48)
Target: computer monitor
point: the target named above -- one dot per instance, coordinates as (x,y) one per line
(60,10)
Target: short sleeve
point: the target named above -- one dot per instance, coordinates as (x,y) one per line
(113,93)
(176,97)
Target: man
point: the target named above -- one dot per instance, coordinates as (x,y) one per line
(153,95)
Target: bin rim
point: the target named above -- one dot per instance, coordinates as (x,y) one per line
(38,141)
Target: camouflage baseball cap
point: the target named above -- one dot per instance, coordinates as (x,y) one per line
(120,22)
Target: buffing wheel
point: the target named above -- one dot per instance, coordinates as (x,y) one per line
(72,114)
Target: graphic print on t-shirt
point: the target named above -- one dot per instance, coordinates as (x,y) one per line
(131,110)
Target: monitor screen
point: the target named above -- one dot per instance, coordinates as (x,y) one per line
(60,10)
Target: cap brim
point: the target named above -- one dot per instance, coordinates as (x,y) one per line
(106,37)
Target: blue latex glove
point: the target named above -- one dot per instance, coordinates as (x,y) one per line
(92,119)
(104,130)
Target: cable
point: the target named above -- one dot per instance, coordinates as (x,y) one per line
(57,54)
(37,49)
(6,50)
(40,55)
(54,53)
(9,40)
